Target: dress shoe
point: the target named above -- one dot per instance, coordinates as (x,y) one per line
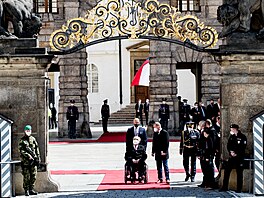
(187,177)
(167,181)
(26,193)
(192,179)
(159,181)
(32,192)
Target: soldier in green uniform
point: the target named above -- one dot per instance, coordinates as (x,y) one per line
(30,159)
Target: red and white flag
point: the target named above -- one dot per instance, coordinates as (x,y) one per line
(142,75)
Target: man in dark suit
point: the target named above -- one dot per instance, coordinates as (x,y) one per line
(139,110)
(160,149)
(136,130)
(146,110)
(196,114)
(217,107)
(136,159)
(210,110)
(105,114)
(164,114)
(72,116)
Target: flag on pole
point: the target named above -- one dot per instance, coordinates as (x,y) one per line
(142,75)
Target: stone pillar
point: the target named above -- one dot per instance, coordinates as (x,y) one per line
(23,99)
(73,86)
(242,89)
(162,81)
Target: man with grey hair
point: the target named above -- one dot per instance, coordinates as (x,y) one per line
(160,149)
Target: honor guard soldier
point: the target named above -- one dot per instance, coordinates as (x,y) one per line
(236,147)
(72,117)
(188,148)
(105,114)
(184,112)
(164,114)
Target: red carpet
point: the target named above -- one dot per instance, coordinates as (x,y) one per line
(105,137)
(114,179)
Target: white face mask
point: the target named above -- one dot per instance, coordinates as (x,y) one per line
(155,130)
(135,142)
(199,128)
(232,133)
(189,129)
(28,133)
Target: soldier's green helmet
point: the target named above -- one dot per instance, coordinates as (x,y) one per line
(27,127)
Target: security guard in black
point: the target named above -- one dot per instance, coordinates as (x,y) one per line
(236,147)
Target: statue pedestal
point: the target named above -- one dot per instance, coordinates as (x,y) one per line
(242,88)
(23,98)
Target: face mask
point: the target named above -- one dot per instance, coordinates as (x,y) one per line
(28,133)
(163,102)
(155,130)
(196,106)
(189,129)
(199,128)
(136,125)
(232,133)
(135,142)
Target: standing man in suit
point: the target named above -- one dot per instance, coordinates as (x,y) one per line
(195,113)
(105,114)
(160,149)
(164,114)
(72,116)
(210,110)
(217,107)
(146,110)
(136,130)
(139,111)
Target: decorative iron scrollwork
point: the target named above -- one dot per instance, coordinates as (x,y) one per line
(115,19)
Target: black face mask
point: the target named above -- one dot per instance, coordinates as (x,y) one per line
(136,125)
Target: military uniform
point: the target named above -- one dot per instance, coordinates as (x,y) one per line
(237,144)
(188,147)
(105,113)
(164,115)
(30,159)
(72,115)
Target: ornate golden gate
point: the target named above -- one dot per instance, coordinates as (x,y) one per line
(130,19)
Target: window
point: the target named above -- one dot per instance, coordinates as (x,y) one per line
(189,5)
(92,73)
(46,6)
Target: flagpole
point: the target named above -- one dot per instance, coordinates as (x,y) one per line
(120,67)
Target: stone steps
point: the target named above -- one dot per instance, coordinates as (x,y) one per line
(124,116)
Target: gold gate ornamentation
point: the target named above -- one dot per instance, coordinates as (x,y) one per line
(129,19)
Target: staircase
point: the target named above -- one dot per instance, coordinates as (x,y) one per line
(124,116)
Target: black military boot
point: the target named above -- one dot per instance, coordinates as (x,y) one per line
(26,192)
(32,192)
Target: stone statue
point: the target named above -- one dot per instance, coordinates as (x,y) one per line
(242,16)
(19,13)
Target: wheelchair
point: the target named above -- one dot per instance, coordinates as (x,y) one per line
(128,171)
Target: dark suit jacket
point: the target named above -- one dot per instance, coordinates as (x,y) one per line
(130,135)
(140,108)
(140,154)
(160,143)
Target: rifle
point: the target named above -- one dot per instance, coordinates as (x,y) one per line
(35,161)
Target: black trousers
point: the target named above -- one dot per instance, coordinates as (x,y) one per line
(72,128)
(234,163)
(187,154)
(104,122)
(164,124)
(208,172)
(146,116)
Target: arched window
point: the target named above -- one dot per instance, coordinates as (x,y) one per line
(188,5)
(46,6)
(92,73)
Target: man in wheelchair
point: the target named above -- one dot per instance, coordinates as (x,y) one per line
(135,161)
